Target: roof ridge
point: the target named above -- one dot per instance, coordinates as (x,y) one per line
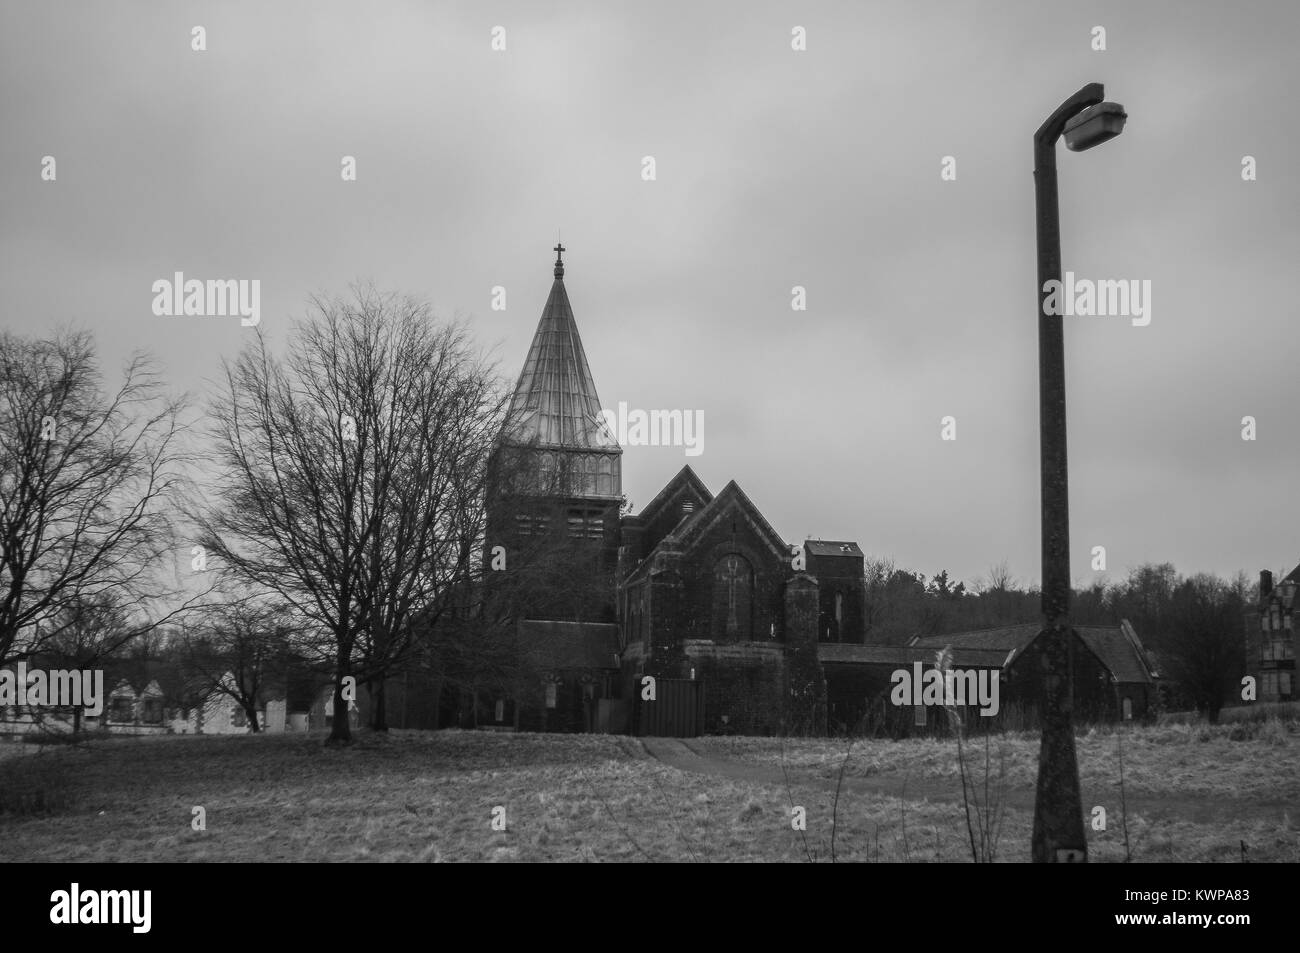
(987,628)
(685,474)
(745,503)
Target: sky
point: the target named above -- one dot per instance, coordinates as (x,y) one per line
(774,168)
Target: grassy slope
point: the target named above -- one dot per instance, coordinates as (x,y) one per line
(429,796)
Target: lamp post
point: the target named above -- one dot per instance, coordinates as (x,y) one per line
(1058,836)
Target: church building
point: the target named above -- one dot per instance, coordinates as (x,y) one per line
(697,592)
(694,616)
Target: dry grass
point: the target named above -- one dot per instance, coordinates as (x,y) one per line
(428,796)
(1259,760)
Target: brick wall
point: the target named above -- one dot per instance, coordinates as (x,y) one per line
(770,572)
(842,576)
(743,683)
(805,681)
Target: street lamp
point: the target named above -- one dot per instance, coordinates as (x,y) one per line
(1085,121)
(1095,125)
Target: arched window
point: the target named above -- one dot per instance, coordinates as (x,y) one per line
(605,479)
(588,474)
(733,599)
(546,473)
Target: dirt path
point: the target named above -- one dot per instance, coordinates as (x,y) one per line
(679,754)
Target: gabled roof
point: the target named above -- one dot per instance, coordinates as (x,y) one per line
(831,547)
(1003,638)
(555,402)
(712,511)
(1119,650)
(570,645)
(685,476)
(692,525)
(1117,647)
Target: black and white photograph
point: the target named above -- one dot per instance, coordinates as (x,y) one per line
(677,433)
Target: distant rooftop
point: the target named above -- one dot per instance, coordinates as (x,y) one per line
(832,547)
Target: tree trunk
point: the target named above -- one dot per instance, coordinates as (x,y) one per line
(76,722)
(251,711)
(341,732)
(378,705)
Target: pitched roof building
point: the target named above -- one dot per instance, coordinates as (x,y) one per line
(1270,638)
(694,615)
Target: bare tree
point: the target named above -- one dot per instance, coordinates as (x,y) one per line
(1204,651)
(877,609)
(237,653)
(345,472)
(999,579)
(88,632)
(86,483)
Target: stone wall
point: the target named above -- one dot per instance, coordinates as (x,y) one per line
(744,685)
(805,680)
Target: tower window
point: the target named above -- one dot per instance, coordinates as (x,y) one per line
(532,525)
(586,524)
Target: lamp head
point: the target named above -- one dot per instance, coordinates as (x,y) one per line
(1094,125)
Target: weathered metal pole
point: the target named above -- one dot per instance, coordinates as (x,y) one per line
(1058,809)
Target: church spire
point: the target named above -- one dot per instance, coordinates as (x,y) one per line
(555,404)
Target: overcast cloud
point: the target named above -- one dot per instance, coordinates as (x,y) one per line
(775,168)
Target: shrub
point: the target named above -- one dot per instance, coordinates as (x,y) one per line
(33,785)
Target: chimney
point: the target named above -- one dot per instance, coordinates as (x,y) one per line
(1265,584)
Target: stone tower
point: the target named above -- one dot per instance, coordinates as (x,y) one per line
(558,485)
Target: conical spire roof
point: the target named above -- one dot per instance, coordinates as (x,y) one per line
(555,401)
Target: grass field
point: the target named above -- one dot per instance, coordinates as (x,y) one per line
(1193,793)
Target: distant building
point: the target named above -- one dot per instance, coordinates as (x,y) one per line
(839,568)
(128,711)
(1270,638)
(1114,677)
(136,713)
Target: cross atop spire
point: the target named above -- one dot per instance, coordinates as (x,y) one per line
(555,404)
